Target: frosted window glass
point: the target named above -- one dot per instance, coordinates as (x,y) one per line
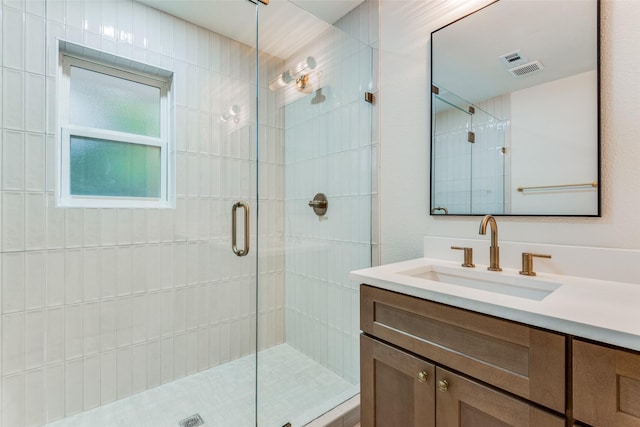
(109,168)
(106,102)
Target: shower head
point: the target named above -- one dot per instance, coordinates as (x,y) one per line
(319,98)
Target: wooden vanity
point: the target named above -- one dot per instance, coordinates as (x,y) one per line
(424,363)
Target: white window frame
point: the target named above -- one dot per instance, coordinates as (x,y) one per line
(66,130)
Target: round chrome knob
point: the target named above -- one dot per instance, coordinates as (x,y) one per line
(423,376)
(443,385)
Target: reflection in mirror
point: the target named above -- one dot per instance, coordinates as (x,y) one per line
(515,120)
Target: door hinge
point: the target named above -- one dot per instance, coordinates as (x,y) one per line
(370,97)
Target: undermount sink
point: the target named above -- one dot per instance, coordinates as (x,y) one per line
(497,282)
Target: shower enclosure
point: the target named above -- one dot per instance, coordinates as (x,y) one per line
(232,308)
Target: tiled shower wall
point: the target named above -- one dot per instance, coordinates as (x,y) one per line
(98,304)
(329,150)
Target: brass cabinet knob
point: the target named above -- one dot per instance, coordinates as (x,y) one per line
(423,376)
(443,385)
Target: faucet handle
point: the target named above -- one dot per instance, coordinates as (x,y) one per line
(468,256)
(527,263)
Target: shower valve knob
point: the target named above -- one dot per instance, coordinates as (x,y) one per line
(319,204)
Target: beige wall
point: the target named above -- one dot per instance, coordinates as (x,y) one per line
(404,173)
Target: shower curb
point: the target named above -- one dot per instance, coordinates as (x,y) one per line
(347,414)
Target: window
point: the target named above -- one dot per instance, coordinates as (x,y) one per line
(114,139)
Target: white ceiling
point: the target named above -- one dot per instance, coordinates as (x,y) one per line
(561,34)
(285,25)
(328,10)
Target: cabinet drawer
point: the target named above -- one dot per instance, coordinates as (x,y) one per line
(606,385)
(524,361)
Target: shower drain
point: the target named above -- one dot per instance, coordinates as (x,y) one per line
(192,421)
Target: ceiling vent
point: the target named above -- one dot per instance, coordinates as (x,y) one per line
(513,58)
(526,69)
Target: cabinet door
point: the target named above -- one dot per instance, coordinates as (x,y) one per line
(463,403)
(606,385)
(397,389)
(525,361)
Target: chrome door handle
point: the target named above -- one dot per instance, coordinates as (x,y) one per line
(234,231)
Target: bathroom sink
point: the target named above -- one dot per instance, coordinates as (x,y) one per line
(504,283)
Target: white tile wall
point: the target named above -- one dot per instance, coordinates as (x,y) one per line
(54,401)
(98,304)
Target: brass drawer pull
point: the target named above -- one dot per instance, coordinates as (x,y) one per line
(443,385)
(423,376)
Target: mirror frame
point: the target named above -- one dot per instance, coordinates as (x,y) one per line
(598,119)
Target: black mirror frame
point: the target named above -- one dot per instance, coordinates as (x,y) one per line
(433,209)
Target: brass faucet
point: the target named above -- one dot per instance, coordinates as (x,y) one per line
(494,250)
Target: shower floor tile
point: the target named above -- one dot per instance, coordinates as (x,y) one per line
(291,388)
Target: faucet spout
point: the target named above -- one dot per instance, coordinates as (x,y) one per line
(494,250)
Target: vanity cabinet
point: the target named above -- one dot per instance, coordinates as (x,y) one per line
(500,366)
(606,385)
(400,389)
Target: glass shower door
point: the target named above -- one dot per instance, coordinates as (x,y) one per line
(234,168)
(315,144)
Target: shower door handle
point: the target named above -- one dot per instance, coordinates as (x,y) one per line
(234,231)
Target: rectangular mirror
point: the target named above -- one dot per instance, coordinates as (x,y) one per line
(515,127)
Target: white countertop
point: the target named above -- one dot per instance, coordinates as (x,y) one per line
(600,310)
